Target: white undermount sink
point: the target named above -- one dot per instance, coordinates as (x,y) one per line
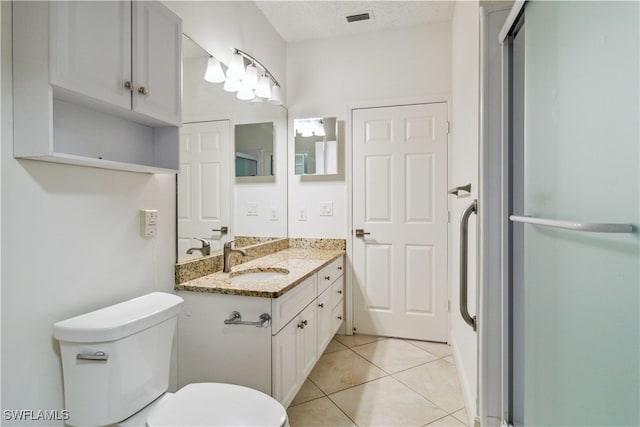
(258,275)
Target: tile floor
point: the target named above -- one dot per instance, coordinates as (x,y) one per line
(373,381)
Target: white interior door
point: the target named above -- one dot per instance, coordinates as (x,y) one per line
(204,185)
(400,198)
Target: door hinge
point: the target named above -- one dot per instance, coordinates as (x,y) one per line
(449,305)
(448,127)
(448,217)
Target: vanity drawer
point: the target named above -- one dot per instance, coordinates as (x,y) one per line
(329,274)
(337,292)
(291,303)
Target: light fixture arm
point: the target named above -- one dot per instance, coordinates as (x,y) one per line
(258,63)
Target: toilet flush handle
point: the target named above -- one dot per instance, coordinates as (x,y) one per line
(99,356)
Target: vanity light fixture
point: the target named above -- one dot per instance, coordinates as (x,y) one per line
(242,77)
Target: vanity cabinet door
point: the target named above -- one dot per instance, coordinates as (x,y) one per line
(325,325)
(90,50)
(286,380)
(157,62)
(307,341)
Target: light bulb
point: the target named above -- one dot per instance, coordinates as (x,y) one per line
(232,84)
(214,72)
(245,93)
(236,67)
(264,87)
(251,76)
(275,95)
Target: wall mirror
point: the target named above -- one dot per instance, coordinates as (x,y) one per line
(316,145)
(254,149)
(216,200)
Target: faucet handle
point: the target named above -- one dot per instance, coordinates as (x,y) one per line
(205,243)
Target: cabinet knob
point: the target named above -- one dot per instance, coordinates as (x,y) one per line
(327,277)
(340,291)
(143,90)
(302,324)
(321,305)
(129,86)
(340,267)
(339,317)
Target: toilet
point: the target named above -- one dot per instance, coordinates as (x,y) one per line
(116,363)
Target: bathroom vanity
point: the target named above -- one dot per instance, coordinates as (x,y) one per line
(303,298)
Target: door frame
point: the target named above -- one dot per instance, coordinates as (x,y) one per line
(349,108)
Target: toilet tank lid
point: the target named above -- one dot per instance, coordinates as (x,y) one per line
(119,320)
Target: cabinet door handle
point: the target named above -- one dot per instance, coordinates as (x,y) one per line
(327,277)
(143,90)
(129,86)
(321,305)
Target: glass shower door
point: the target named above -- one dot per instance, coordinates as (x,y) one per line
(581,316)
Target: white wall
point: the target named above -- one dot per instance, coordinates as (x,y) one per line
(324,76)
(70,244)
(463,169)
(218,27)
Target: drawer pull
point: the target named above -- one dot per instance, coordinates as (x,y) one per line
(235,318)
(327,277)
(340,267)
(321,305)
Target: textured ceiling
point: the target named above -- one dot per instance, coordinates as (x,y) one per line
(305,20)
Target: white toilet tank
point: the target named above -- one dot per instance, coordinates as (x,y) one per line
(116,360)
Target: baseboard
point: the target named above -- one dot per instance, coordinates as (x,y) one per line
(467,391)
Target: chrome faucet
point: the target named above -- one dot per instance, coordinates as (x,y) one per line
(205,250)
(227,251)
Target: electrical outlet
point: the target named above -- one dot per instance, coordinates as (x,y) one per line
(148,223)
(326,208)
(274,214)
(302,214)
(252,209)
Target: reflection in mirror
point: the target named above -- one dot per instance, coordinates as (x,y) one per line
(254,209)
(316,146)
(254,149)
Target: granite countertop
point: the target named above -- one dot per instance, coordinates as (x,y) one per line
(301,263)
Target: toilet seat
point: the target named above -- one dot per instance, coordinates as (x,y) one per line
(217,404)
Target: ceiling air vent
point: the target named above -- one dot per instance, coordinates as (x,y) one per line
(359,17)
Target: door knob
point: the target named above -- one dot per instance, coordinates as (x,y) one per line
(360,232)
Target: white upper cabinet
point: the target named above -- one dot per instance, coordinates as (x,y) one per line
(90,52)
(120,53)
(98,83)
(157,56)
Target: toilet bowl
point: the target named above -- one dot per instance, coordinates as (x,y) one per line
(116,364)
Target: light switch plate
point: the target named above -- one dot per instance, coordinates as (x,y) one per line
(274,214)
(302,214)
(326,208)
(252,209)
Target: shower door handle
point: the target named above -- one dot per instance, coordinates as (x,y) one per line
(464,246)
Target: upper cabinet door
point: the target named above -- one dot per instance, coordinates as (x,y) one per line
(157,54)
(90,49)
